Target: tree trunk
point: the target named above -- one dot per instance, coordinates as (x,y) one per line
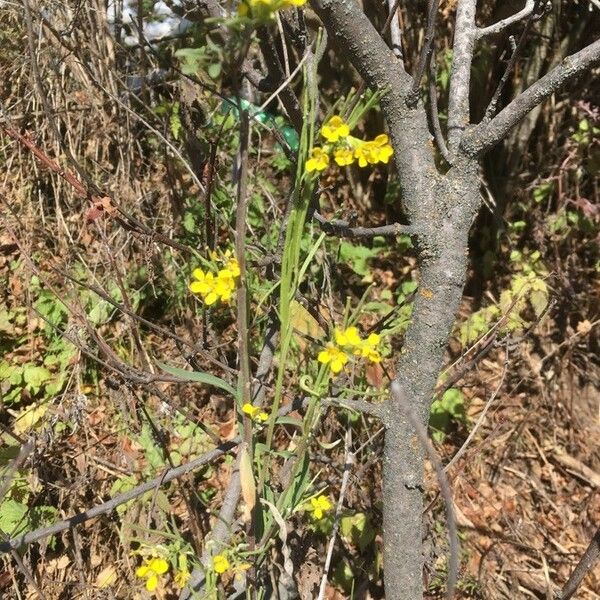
(443,264)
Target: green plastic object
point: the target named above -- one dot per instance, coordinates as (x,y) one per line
(290,135)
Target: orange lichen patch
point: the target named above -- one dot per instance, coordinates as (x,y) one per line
(426,293)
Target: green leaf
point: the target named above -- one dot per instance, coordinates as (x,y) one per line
(294,422)
(190,59)
(200,377)
(13,517)
(357,257)
(214,70)
(539,301)
(35,377)
(175,121)
(358,529)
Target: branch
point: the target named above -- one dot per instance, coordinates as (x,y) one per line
(460,77)
(501,25)
(101,509)
(584,566)
(425,52)
(277,76)
(536,14)
(395,31)
(341,228)
(484,136)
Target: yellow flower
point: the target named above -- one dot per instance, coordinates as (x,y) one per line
(255,412)
(264,9)
(318,161)
(378,150)
(220,563)
(182,578)
(348,337)
(333,356)
(224,285)
(368,348)
(319,506)
(367,153)
(204,286)
(385,151)
(233,267)
(152,568)
(335,129)
(344,156)
(212,288)
(183,574)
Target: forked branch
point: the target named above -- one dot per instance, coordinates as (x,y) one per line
(483,137)
(503,24)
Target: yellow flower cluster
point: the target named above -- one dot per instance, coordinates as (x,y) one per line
(346,148)
(220,564)
(211,286)
(226,562)
(265,9)
(255,413)
(319,506)
(348,342)
(151,570)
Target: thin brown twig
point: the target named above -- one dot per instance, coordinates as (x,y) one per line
(534,16)
(413,95)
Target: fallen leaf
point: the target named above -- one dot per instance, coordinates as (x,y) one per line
(106,577)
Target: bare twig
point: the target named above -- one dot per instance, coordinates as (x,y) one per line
(481,418)
(341,228)
(434,116)
(395,31)
(362,406)
(491,109)
(584,566)
(277,75)
(413,96)
(348,462)
(503,24)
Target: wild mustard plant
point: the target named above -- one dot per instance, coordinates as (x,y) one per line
(334,357)
(151,570)
(318,506)
(348,342)
(220,564)
(346,148)
(255,413)
(216,284)
(318,161)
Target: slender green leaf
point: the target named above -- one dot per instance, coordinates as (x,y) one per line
(200,377)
